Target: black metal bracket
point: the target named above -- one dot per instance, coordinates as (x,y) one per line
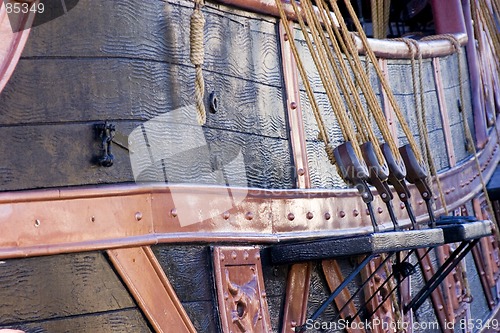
(105,133)
(443,271)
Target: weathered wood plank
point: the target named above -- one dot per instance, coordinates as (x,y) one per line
(66,153)
(235,45)
(188,270)
(134,90)
(42,288)
(121,321)
(203,315)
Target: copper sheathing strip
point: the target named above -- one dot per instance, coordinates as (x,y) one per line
(297,295)
(334,278)
(148,284)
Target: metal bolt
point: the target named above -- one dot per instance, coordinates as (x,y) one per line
(173,212)
(383,195)
(402,205)
(380,210)
(225,215)
(342,214)
(37,223)
(257,256)
(301,172)
(355,212)
(222,257)
(249,216)
(293,105)
(328,216)
(245,255)
(234,255)
(285,37)
(92,219)
(291,216)
(309,215)
(138,216)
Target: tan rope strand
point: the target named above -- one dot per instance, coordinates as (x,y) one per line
(360,116)
(430,159)
(307,86)
(387,13)
(383,81)
(362,77)
(197,55)
(317,30)
(467,130)
(490,23)
(333,96)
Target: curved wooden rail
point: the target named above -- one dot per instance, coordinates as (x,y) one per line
(12,43)
(43,222)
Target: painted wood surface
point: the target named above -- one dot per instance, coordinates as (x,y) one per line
(129,67)
(66,293)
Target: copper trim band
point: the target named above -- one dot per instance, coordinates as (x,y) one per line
(42,222)
(148,284)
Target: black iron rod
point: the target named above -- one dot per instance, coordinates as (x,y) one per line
(338,290)
(429,288)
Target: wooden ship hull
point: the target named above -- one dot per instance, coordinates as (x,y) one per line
(119,212)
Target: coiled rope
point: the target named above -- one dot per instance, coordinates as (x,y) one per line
(197,57)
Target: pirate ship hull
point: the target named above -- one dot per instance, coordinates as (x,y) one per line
(165,245)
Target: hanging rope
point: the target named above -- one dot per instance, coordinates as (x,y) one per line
(380,17)
(343,76)
(360,73)
(383,81)
(467,131)
(414,47)
(307,86)
(197,56)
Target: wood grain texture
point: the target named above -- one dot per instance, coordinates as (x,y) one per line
(155,30)
(133,90)
(153,293)
(38,289)
(120,321)
(67,153)
(188,269)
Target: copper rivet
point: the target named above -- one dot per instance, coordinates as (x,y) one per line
(222,257)
(448,191)
(440,307)
(402,205)
(264,295)
(421,202)
(291,216)
(293,105)
(173,212)
(309,215)
(293,323)
(380,210)
(249,215)
(226,295)
(138,216)
(301,172)
(257,256)
(92,219)
(285,37)
(342,214)
(355,212)
(245,255)
(37,223)
(328,216)
(234,255)
(225,215)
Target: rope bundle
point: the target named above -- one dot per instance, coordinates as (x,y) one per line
(197,57)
